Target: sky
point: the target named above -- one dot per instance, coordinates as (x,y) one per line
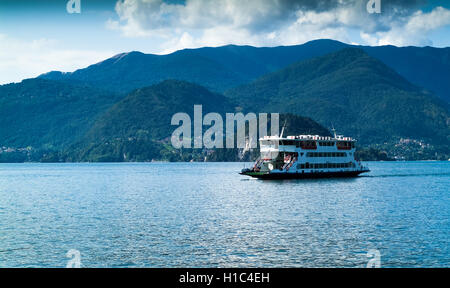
(38,36)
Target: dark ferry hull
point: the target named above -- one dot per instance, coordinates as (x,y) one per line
(272,176)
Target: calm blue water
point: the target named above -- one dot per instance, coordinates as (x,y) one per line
(206,215)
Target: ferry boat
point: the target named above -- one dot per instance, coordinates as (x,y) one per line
(306,156)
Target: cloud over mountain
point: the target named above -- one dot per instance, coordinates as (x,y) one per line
(195,23)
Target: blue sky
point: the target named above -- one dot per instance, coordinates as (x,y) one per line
(40,36)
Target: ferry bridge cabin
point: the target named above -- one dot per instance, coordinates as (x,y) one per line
(307,155)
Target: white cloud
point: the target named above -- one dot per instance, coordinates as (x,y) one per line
(199,23)
(414,30)
(25,59)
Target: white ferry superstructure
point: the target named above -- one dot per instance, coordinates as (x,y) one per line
(306,156)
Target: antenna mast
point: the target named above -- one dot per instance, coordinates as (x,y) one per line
(334,130)
(282,129)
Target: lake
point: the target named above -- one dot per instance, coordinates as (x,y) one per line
(206,215)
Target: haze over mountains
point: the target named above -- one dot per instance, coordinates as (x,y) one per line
(379,95)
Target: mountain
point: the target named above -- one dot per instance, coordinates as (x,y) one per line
(137,128)
(217,69)
(358,94)
(425,67)
(376,94)
(45,113)
(222,68)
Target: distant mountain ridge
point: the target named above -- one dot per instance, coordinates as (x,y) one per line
(120,109)
(226,67)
